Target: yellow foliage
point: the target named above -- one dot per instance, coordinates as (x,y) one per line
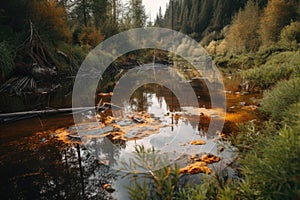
(50,19)
(211,47)
(277,14)
(242,34)
(222,48)
(90,36)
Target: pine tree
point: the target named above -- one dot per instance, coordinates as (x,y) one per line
(184,28)
(82,12)
(205,14)
(195,26)
(159,19)
(99,9)
(138,14)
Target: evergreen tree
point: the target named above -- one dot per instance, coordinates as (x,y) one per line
(205,14)
(201,17)
(185,26)
(159,19)
(111,25)
(195,16)
(99,9)
(138,15)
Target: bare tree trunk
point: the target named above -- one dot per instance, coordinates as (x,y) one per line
(84,12)
(114,12)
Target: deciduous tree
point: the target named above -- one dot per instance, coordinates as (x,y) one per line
(243,32)
(277,14)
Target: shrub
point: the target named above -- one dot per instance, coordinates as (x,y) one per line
(90,36)
(265,53)
(290,36)
(272,167)
(276,101)
(242,61)
(151,175)
(278,67)
(266,76)
(50,19)
(292,116)
(204,190)
(6,60)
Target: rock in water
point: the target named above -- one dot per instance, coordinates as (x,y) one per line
(108,188)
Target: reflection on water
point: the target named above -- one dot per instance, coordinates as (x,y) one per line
(43,98)
(39,166)
(44,158)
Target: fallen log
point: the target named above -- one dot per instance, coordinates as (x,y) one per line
(5,117)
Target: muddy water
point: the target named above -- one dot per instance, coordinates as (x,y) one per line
(40,161)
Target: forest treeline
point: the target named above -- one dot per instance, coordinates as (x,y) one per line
(67,29)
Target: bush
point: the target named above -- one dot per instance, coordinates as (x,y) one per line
(151,175)
(90,36)
(204,190)
(278,67)
(243,61)
(266,76)
(276,101)
(272,167)
(265,53)
(50,19)
(292,116)
(6,60)
(290,36)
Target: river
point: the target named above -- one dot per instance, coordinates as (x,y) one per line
(40,161)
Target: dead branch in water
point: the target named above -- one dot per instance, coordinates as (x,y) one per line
(6,117)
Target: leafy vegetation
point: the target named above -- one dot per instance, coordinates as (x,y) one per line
(6,60)
(290,36)
(265,49)
(60,32)
(272,167)
(152,175)
(244,37)
(276,101)
(279,66)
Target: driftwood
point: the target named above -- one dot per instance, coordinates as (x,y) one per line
(6,117)
(50,111)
